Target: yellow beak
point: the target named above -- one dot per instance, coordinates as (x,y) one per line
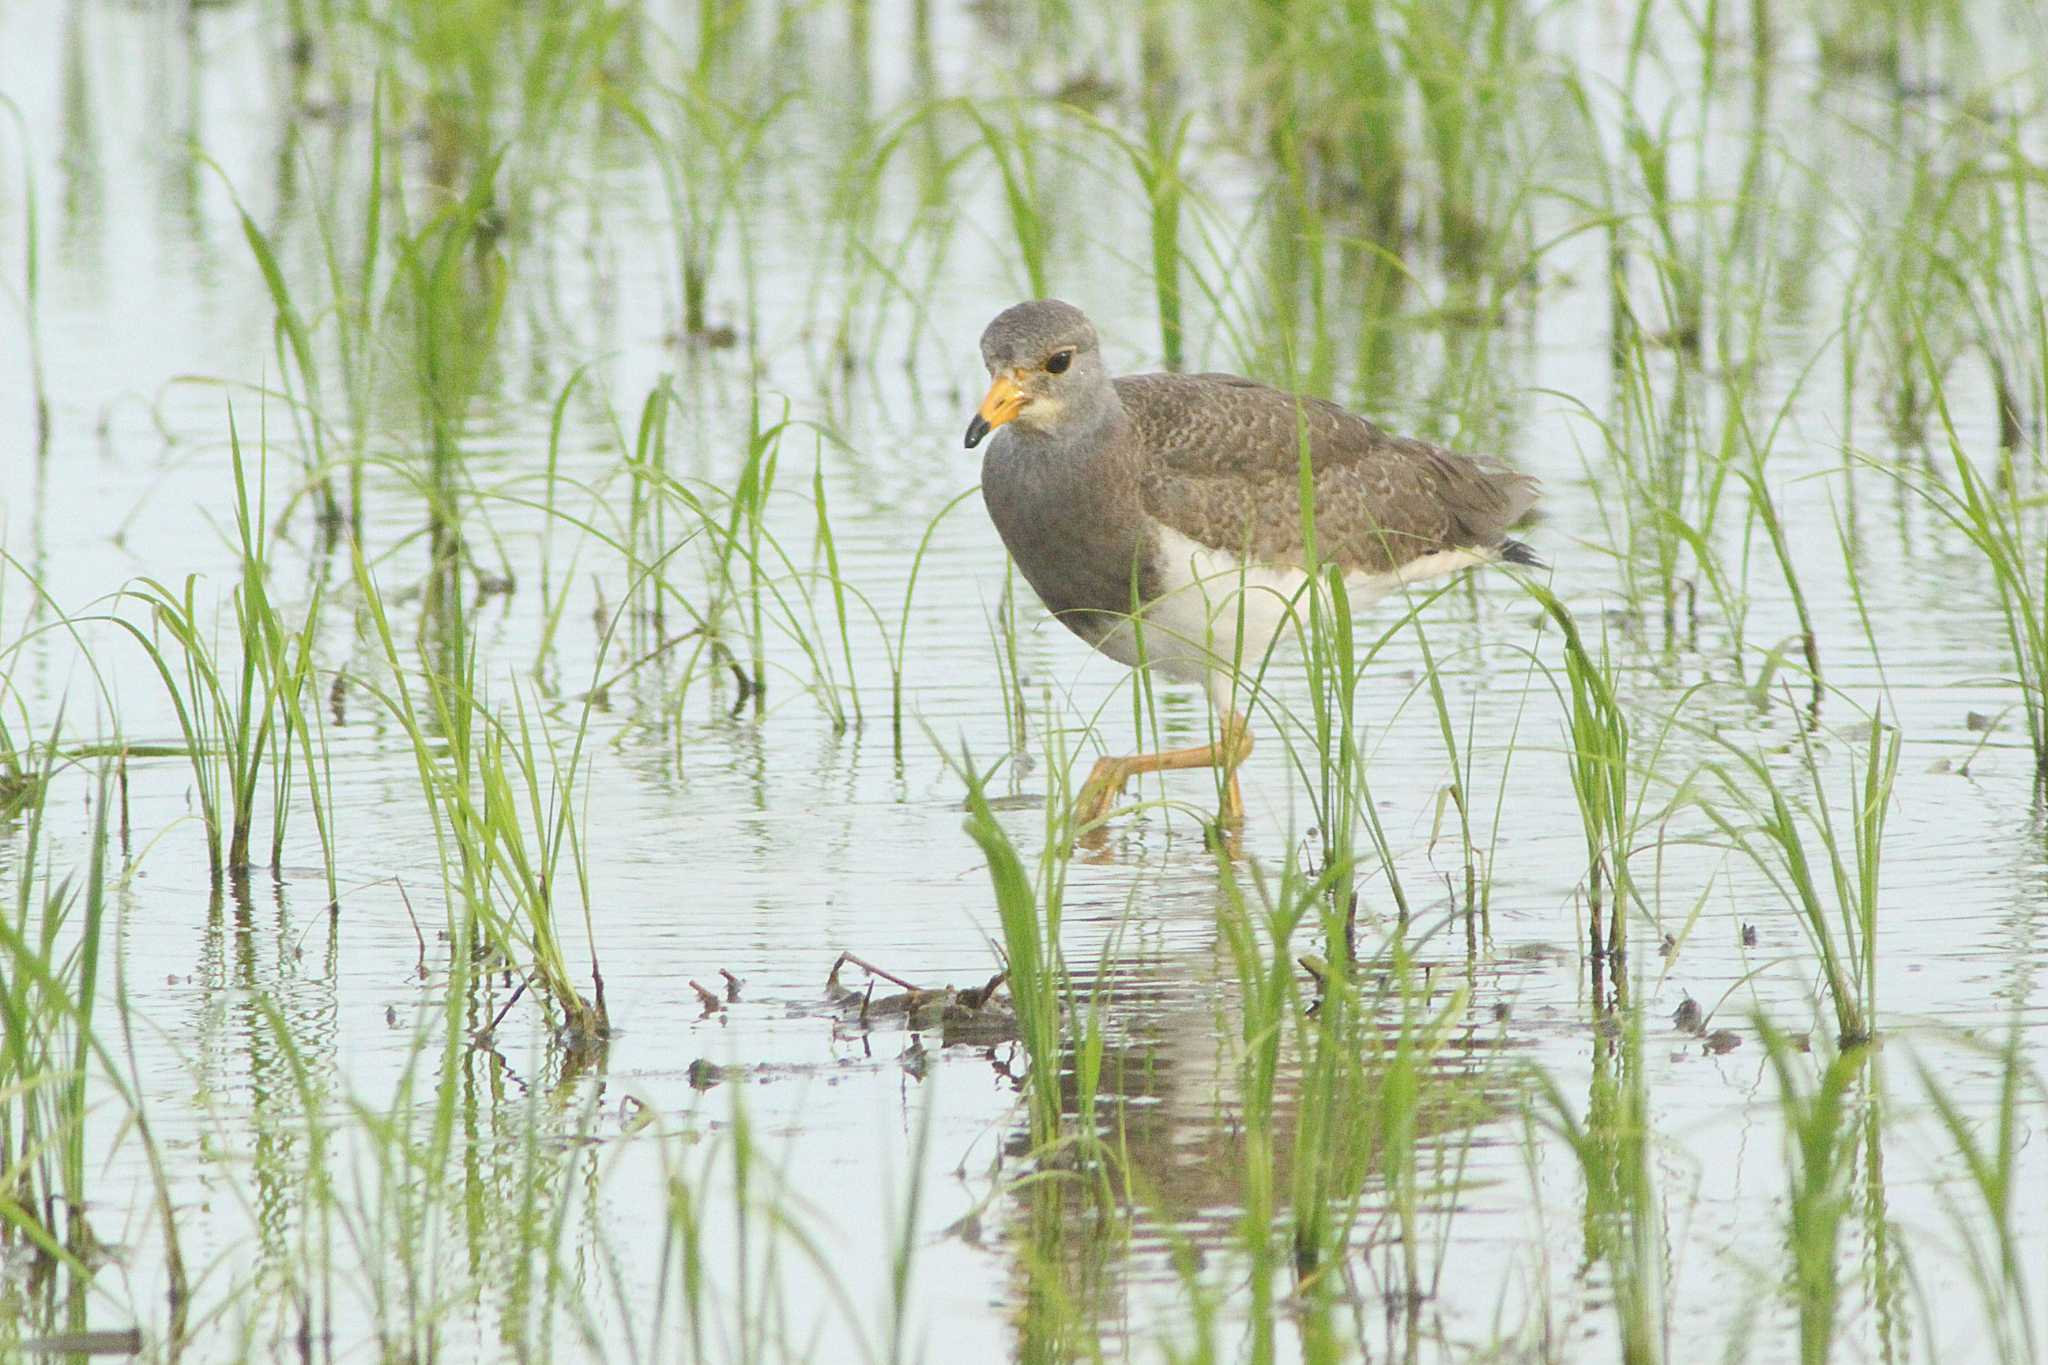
(1001,404)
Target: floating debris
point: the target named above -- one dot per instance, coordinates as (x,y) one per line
(115,1343)
(1689,1017)
(968,1015)
(1721,1040)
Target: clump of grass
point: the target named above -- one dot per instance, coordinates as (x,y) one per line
(1821,1153)
(31,279)
(1338,1089)
(298,364)
(243,714)
(21,775)
(753,581)
(1986,1216)
(1598,733)
(1015,151)
(1612,1144)
(1832,882)
(2000,521)
(503,800)
(1037,980)
(706,151)
(50,946)
(899,648)
(1158,156)
(454,283)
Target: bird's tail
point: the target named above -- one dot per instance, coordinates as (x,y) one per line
(1515,552)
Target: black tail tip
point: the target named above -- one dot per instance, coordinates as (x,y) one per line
(1515,552)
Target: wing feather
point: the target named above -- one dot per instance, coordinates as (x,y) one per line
(1222,467)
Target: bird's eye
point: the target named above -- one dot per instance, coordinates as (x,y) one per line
(1058,361)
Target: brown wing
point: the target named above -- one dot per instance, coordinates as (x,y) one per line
(1223,467)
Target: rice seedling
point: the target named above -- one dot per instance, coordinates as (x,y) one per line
(1832,882)
(767,1287)
(752,576)
(1266,980)
(899,647)
(454,1189)
(452,309)
(1014,150)
(21,775)
(1598,733)
(706,153)
(1612,1143)
(353,288)
(1004,629)
(1338,1099)
(240,714)
(1457,793)
(52,943)
(295,356)
(1157,158)
(1983,1213)
(1037,980)
(523,209)
(1821,1153)
(828,547)
(31,278)
(1462,64)
(1883,1272)
(873,267)
(503,801)
(483,76)
(1998,521)
(284,671)
(743,534)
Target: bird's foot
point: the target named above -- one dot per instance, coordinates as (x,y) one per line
(1100,792)
(1233,747)
(1232,813)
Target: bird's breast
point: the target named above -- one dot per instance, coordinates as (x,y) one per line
(1076,531)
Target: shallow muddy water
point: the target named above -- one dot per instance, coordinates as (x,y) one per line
(293,1060)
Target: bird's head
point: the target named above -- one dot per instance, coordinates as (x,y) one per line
(1045,369)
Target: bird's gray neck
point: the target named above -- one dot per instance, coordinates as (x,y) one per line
(1068,507)
(1085,433)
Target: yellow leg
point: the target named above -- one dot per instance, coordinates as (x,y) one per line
(1106,780)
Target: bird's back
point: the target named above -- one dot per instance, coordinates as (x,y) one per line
(1221,465)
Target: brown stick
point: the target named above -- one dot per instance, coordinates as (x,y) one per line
(872,970)
(499,1018)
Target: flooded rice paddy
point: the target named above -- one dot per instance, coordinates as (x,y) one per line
(510,453)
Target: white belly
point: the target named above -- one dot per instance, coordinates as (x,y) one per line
(1218,615)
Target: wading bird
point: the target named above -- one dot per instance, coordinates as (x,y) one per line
(1158,516)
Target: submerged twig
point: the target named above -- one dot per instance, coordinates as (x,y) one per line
(482,1037)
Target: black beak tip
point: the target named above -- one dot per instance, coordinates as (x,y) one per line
(976,429)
